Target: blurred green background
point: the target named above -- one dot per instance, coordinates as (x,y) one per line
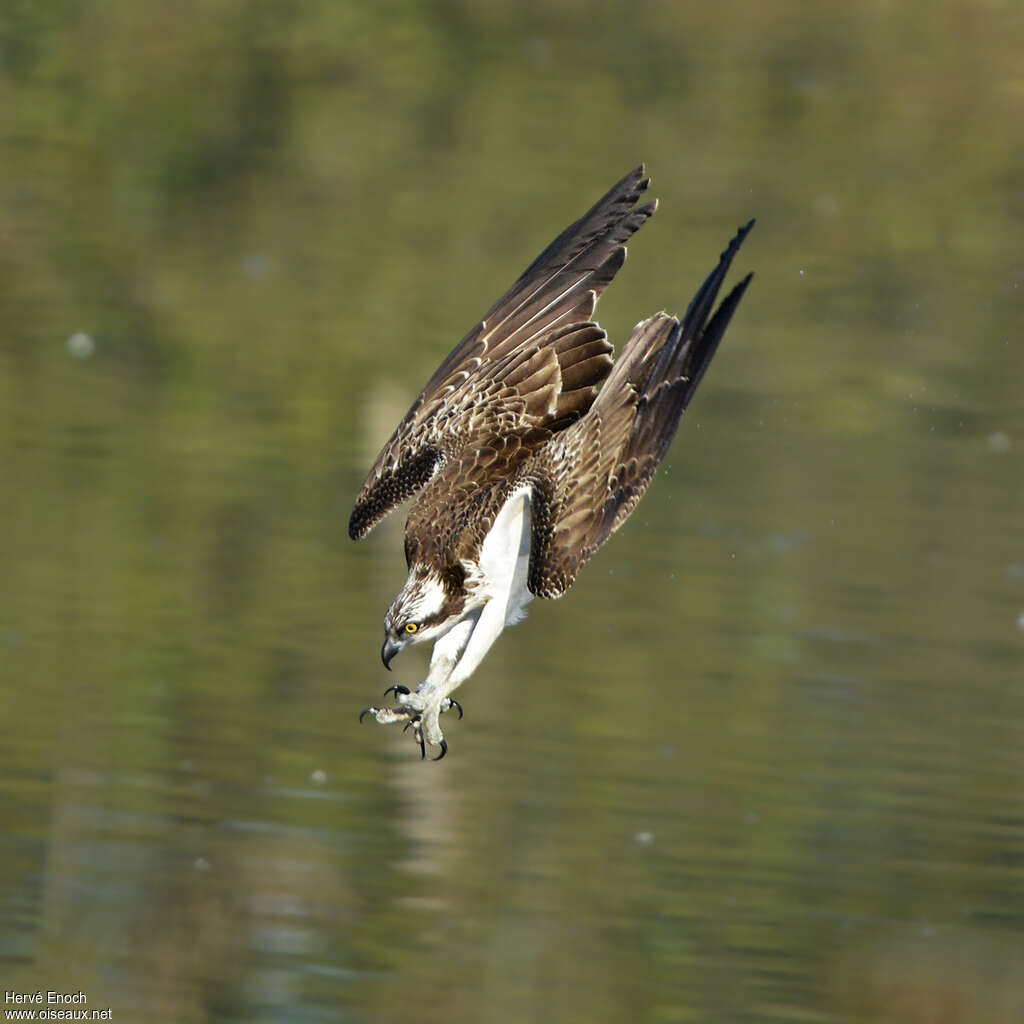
(765,762)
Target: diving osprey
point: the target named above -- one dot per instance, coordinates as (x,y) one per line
(523,467)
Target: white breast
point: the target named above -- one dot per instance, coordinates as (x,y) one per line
(505,556)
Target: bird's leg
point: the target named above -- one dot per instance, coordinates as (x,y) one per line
(452,664)
(431,697)
(419,709)
(456,656)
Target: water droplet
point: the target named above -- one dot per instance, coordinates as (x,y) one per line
(81,345)
(256,266)
(999,442)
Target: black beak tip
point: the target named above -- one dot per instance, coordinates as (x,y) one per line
(387,652)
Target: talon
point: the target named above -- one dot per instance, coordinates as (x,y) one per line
(421,722)
(450,702)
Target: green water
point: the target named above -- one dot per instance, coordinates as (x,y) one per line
(765,762)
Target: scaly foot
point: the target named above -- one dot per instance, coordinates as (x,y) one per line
(419,714)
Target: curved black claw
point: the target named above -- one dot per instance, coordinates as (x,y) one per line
(423,745)
(458,707)
(444,750)
(364,713)
(398,689)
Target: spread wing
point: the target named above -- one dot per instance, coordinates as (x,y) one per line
(588,479)
(530,367)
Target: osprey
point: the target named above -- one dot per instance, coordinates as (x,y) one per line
(529,448)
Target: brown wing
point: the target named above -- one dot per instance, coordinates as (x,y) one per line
(541,325)
(588,479)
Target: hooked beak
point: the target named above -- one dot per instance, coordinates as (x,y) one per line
(388,651)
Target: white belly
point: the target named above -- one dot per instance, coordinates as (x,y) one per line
(505,556)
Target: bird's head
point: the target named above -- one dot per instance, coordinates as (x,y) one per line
(427,607)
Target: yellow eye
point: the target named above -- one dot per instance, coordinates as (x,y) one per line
(411,627)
